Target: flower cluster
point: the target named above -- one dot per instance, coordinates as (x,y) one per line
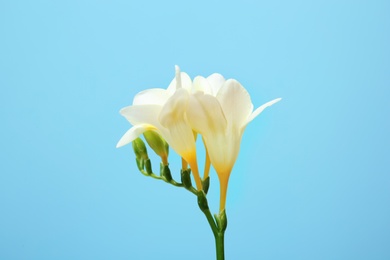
(217,109)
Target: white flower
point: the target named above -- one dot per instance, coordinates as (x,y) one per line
(220,111)
(164,111)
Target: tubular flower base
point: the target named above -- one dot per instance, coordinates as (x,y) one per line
(217,109)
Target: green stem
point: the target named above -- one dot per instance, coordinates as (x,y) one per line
(172,182)
(218,229)
(217,224)
(220,245)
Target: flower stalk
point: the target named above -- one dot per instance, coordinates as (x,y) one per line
(216,109)
(218,225)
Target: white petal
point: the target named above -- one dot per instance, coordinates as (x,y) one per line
(201,84)
(216,81)
(172,117)
(186,83)
(172,86)
(132,134)
(223,151)
(206,117)
(205,114)
(174,108)
(261,108)
(142,114)
(156,96)
(236,103)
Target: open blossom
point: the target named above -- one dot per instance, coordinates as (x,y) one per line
(216,108)
(164,111)
(220,111)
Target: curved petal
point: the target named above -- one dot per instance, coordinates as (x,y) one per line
(133,133)
(223,151)
(174,108)
(235,102)
(205,115)
(216,81)
(186,83)
(201,84)
(142,114)
(261,109)
(172,117)
(154,96)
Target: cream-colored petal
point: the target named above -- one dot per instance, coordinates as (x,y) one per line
(207,118)
(186,83)
(155,96)
(216,81)
(261,109)
(236,103)
(133,133)
(142,114)
(201,84)
(172,117)
(174,108)
(223,151)
(205,114)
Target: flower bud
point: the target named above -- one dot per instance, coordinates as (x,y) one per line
(140,149)
(158,145)
(148,166)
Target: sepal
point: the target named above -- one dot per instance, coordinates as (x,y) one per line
(206,184)
(165,172)
(140,164)
(186,178)
(221,220)
(148,166)
(202,201)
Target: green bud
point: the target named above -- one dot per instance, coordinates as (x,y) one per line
(206,184)
(140,164)
(165,172)
(140,149)
(202,201)
(221,220)
(148,166)
(158,145)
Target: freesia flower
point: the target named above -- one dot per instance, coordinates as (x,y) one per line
(164,111)
(220,111)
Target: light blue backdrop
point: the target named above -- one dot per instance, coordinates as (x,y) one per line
(312,180)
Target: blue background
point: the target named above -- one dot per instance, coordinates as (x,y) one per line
(312,180)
